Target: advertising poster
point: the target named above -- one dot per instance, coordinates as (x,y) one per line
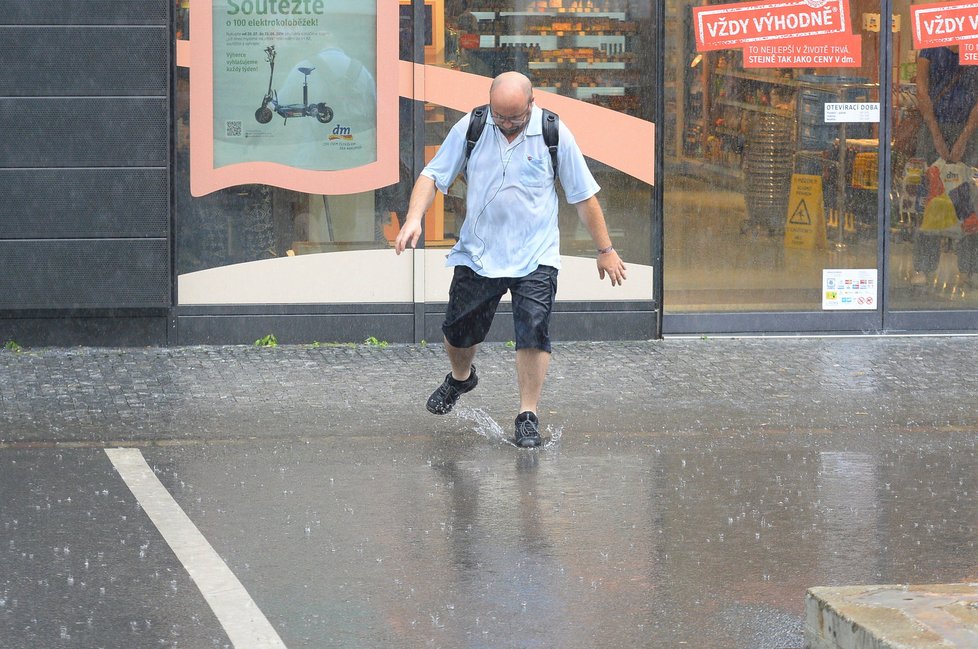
(293,89)
(947,23)
(791,33)
(300,94)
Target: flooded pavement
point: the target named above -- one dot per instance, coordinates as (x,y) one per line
(689,494)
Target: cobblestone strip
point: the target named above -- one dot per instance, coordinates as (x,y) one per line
(673,385)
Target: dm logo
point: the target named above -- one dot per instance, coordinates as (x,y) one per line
(341,133)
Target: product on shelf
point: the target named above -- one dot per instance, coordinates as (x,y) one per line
(578,48)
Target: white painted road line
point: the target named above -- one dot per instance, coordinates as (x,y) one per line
(244,623)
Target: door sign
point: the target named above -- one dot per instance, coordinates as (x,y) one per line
(791,33)
(849,288)
(935,25)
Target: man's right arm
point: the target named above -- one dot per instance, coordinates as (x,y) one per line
(422,197)
(444,167)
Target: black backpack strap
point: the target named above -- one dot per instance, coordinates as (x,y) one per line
(477,122)
(551,135)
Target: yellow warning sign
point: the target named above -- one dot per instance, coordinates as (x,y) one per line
(805,227)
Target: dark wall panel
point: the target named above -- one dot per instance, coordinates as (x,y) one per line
(570,321)
(85,274)
(84,203)
(209,326)
(84,170)
(93,61)
(84,132)
(294,328)
(117,330)
(84,12)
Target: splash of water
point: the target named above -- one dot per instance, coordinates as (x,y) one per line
(554,436)
(485,425)
(489,428)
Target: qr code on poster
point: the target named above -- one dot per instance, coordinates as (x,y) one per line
(233,128)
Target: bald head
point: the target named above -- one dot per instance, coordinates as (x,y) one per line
(511,83)
(510,99)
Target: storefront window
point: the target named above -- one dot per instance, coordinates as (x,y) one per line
(762,192)
(595,56)
(238,225)
(771,160)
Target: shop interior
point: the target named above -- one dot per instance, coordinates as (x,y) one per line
(734,139)
(589,49)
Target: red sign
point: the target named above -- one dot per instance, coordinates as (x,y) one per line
(968,54)
(733,26)
(845,52)
(940,24)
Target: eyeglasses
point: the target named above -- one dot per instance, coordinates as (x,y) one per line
(513,119)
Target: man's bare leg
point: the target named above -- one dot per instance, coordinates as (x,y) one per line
(461,360)
(531,370)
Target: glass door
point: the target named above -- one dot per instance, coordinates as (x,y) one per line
(591,62)
(933,244)
(772,204)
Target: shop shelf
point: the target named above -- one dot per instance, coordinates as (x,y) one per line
(582,65)
(756,108)
(614,15)
(759,77)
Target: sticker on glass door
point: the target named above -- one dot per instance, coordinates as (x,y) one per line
(849,288)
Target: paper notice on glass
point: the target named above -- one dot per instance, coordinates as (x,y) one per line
(849,288)
(837,113)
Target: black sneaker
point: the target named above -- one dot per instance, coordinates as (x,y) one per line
(527,430)
(443,399)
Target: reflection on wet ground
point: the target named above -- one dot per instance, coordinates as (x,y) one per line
(688,499)
(597,541)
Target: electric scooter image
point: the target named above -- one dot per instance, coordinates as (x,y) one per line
(270,104)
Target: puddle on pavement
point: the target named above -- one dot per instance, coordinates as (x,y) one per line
(616,540)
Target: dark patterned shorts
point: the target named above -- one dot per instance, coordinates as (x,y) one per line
(472,302)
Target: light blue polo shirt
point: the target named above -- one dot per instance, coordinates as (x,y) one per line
(511,217)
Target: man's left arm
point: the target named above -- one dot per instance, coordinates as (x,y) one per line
(591,215)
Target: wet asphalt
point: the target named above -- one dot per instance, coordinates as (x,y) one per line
(690,492)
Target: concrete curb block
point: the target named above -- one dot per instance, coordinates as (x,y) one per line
(939,616)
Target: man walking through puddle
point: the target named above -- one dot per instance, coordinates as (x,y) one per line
(510,239)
